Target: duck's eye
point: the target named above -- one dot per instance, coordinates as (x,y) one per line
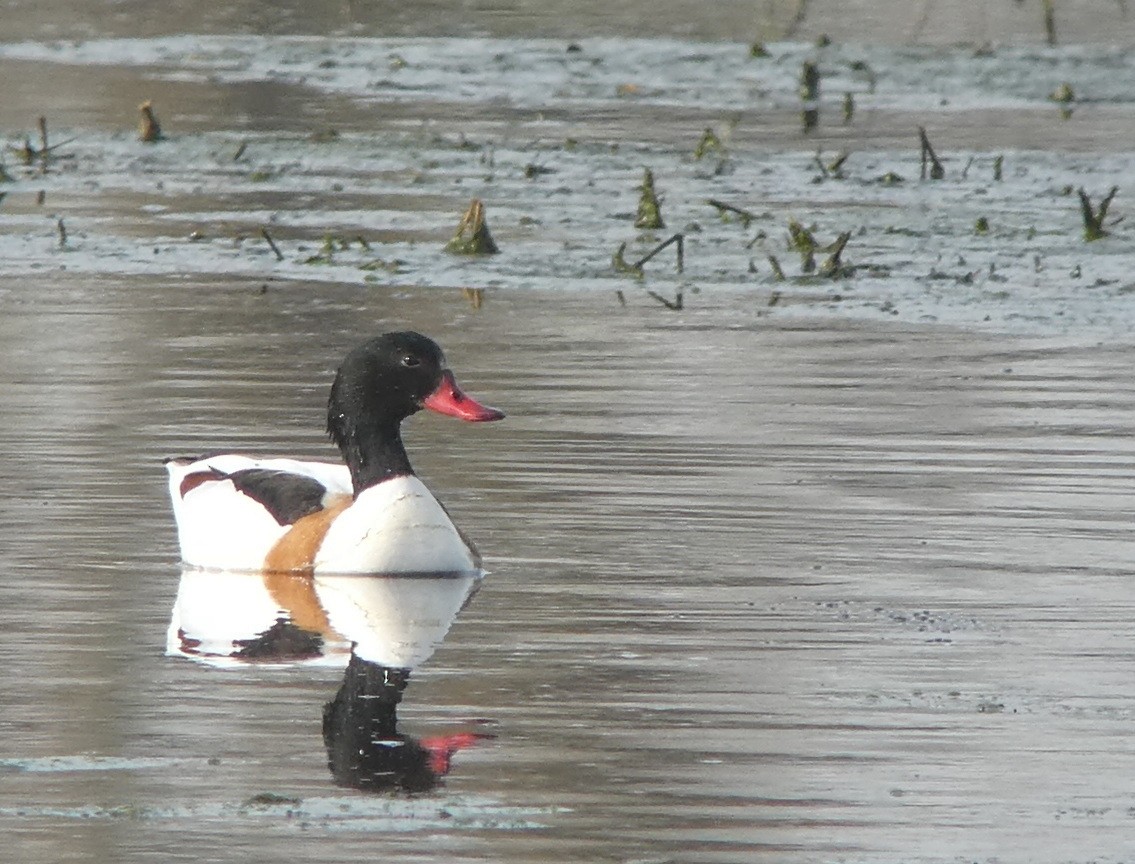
(411,361)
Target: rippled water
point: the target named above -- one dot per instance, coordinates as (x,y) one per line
(819,584)
(756,591)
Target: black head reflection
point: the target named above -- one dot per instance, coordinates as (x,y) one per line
(380,626)
(365,750)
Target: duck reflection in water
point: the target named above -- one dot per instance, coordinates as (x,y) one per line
(381,626)
(365,749)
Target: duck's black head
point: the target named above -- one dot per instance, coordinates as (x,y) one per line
(381,383)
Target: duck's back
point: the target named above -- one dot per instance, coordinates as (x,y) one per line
(222,524)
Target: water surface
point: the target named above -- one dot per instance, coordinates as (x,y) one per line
(812,570)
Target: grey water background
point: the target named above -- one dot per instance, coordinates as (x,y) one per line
(832,583)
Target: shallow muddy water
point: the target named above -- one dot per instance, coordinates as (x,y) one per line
(807,570)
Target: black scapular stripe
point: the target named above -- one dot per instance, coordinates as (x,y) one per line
(288,497)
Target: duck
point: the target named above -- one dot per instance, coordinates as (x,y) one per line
(368,513)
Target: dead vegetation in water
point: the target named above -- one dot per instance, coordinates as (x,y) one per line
(728,211)
(272,244)
(30,155)
(649,213)
(928,158)
(802,240)
(472,236)
(149,129)
(710,143)
(621,265)
(1094,216)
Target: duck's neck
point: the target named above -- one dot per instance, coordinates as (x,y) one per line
(375,454)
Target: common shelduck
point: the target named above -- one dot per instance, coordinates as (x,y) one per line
(369,515)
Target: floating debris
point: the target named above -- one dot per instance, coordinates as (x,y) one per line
(998,165)
(473,237)
(981,226)
(848,107)
(149,130)
(1093,217)
(649,213)
(271,799)
(758,51)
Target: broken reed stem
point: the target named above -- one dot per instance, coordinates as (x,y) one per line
(479,241)
(62,229)
(709,141)
(1094,217)
(43,148)
(272,243)
(809,81)
(649,214)
(674,305)
(1050,21)
(831,266)
(678,239)
(723,208)
(937,172)
(797,19)
(149,130)
(777,270)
